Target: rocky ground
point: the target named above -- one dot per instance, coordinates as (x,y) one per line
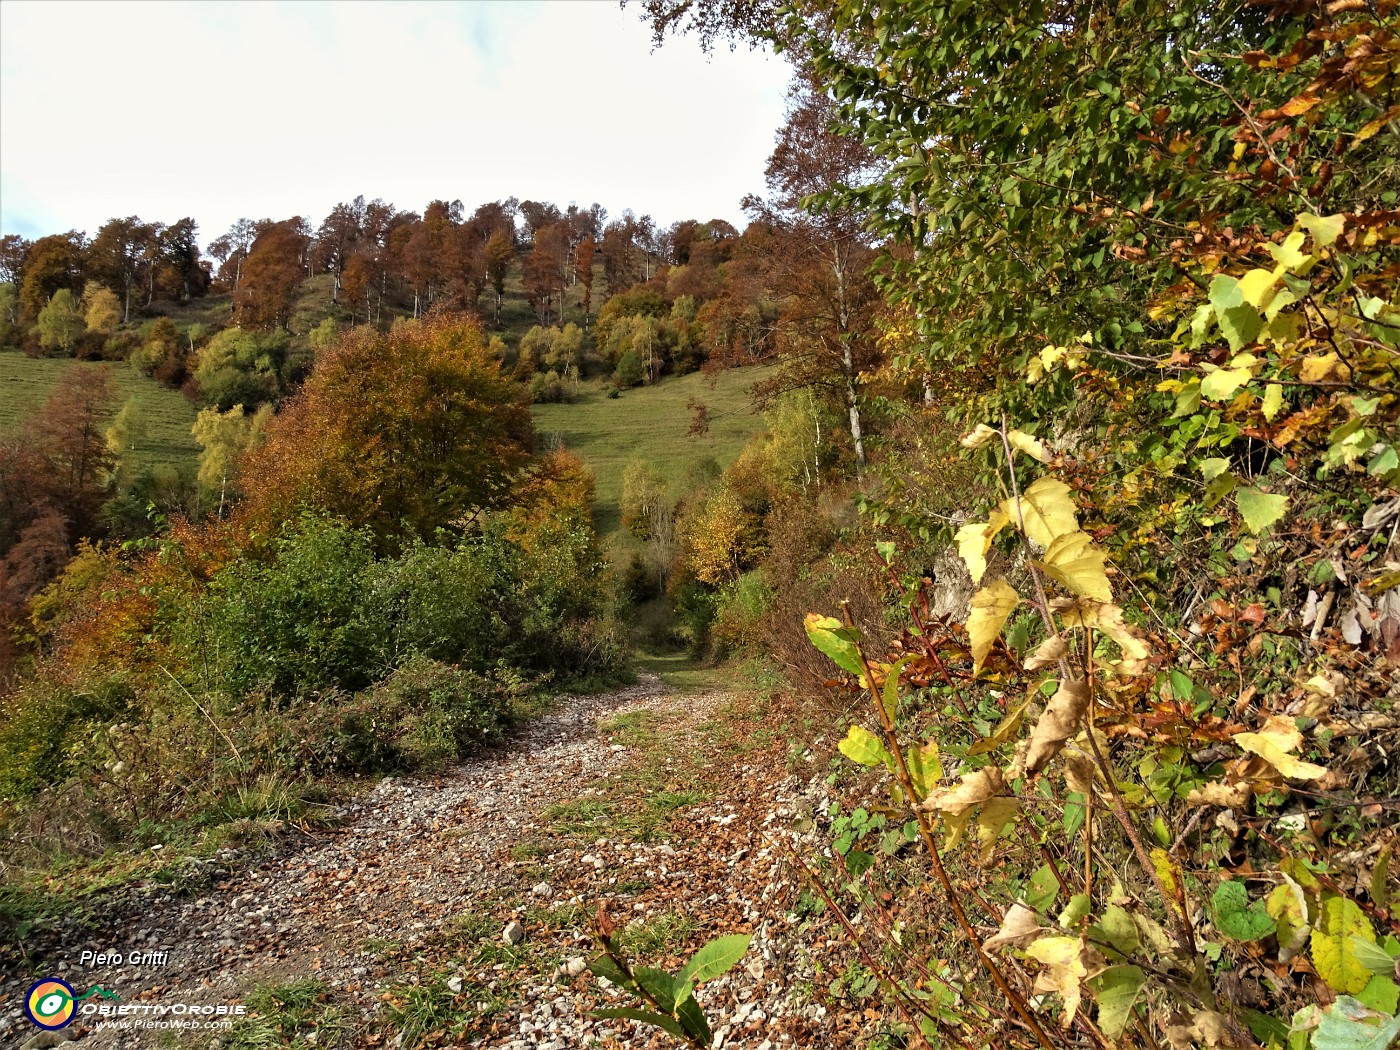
(457,910)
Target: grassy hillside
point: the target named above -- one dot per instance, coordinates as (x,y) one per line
(650,422)
(25,383)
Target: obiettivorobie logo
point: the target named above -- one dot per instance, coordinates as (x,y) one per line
(52,1003)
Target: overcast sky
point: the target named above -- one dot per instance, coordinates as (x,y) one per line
(268,110)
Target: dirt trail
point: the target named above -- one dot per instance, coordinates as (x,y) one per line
(399,911)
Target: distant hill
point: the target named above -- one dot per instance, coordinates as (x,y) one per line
(651,422)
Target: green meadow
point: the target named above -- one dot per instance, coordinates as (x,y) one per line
(26,382)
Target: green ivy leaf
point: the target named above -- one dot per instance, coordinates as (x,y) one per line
(1260,509)
(1236,917)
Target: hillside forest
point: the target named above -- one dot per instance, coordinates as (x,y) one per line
(1069,507)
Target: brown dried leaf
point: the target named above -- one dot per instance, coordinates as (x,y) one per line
(1049,652)
(1060,722)
(1020,927)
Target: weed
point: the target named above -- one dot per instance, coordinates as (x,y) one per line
(663,934)
(298,1014)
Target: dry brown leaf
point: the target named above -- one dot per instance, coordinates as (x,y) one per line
(1020,927)
(1060,722)
(1051,651)
(973,789)
(1219,793)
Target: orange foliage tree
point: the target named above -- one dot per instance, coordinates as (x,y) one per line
(404,432)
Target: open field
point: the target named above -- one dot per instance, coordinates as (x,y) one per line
(25,383)
(650,423)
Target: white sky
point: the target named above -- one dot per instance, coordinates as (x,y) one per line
(268,110)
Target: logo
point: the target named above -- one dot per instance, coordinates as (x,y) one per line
(51,1002)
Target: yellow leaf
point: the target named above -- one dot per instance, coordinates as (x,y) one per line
(1324,228)
(977,437)
(1278,737)
(1273,401)
(1107,619)
(1004,731)
(1221,384)
(1333,954)
(1257,287)
(1317,369)
(1076,564)
(1059,722)
(990,608)
(995,814)
(925,769)
(1043,512)
(975,540)
(1287,905)
(1065,962)
(1289,254)
(1031,446)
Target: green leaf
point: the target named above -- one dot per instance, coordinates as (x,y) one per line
(1273,401)
(1381,994)
(863,747)
(1260,509)
(1043,889)
(604,967)
(858,862)
(1372,956)
(1116,990)
(1345,1025)
(925,770)
(1324,228)
(666,1024)
(1119,929)
(1076,909)
(1236,917)
(1213,468)
(1339,923)
(664,988)
(714,958)
(837,641)
(890,695)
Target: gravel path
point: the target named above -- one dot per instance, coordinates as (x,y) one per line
(416,856)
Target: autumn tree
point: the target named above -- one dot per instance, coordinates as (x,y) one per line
(51,263)
(404,432)
(182,276)
(820,259)
(61,322)
(496,258)
(223,438)
(583,272)
(117,254)
(231,250)
(272,274)
(54,475)
(102,310)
